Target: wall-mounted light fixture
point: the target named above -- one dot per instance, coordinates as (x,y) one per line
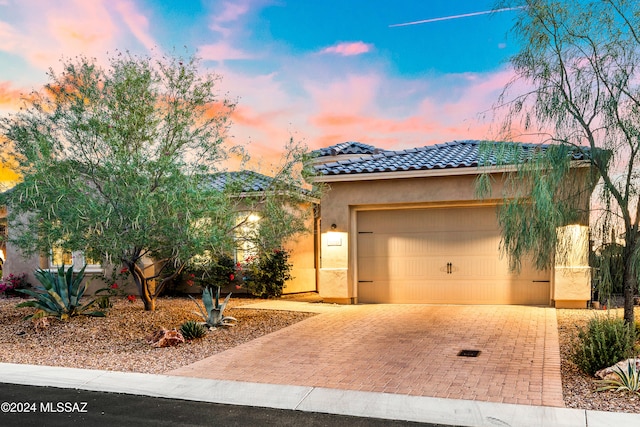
(333,226)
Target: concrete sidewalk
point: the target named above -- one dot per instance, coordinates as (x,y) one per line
(314,399)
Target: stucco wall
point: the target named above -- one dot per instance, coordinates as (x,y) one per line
(302,258)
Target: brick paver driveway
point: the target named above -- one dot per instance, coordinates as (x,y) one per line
(407,349)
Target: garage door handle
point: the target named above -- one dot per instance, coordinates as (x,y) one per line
(449,265)
(365,281)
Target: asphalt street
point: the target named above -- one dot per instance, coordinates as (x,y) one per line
(48,406)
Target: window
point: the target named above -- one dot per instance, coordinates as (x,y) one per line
(245,235)
(61,257)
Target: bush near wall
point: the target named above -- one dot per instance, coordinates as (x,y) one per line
(265,274)
(605,342)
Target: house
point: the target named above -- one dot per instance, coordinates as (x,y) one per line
(407,227)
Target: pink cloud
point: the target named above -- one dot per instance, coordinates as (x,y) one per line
(8,95)
(348,48)
(230,13)
(221,51)
(403,113)
(42,38)
(137,23)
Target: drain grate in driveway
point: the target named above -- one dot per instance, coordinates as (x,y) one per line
(469,353)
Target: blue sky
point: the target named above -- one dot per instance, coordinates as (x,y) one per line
(323,72)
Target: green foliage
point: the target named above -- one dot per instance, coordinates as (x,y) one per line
(103,295)
(191,330)
(578,61)
(627,380)
(118,161)
(605,342)
(222,270)
(59,294)
(609,267)
(542,194)
(266,274)
(213,312)
(217,270)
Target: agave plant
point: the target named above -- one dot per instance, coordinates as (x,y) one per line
(191,330)
(59,294)
(628,380)
(213,313)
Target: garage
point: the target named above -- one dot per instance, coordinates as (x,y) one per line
(440,256)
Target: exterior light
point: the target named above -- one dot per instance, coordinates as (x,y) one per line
(333,226)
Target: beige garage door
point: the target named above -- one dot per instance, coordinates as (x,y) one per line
(442,256)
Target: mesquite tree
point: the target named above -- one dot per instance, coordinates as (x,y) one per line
(577,86)
(117,161)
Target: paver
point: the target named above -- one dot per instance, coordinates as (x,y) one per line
(407,349)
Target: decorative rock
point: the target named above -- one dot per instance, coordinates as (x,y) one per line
(609,373)
(165,338)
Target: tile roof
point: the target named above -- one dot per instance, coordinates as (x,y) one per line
(457,154)
(349,147)
(246,181)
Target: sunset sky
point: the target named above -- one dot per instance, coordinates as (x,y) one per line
(322,72)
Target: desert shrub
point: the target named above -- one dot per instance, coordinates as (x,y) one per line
(191,330)
(112,288)
(11,284)
(265,274)
(209,272)
(605,342)
(221,271)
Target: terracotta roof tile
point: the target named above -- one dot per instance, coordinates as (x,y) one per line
(456,154)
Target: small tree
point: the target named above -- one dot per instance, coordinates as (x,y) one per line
(580,62)
(118,162)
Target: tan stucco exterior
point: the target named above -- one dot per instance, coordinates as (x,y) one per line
(337,276)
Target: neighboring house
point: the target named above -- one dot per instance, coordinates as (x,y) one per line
(407,227)
(302,248)
(249,184)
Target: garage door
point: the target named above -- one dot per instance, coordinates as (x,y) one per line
(441,256)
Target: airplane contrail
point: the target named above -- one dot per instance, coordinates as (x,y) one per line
(465,15)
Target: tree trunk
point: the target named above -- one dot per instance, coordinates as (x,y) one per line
(149,303)
(148,299)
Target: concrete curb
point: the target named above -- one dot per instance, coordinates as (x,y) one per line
(314,399)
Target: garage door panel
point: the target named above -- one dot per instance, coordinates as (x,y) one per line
(450,292)
(403,257)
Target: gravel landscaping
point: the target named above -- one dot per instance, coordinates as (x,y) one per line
(578,388)
(118,342)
